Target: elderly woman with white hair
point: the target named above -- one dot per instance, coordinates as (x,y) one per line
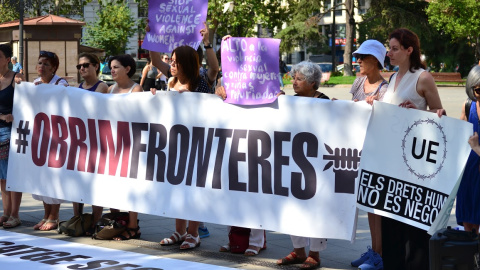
(306,77)
(17,67)
(468,196)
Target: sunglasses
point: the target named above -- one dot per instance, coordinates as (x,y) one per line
(166,59)
(84,65)
(47,53)
(362,56)
(476,90)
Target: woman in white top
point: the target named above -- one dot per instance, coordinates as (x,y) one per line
(47,66)
(410,87)
(122,68)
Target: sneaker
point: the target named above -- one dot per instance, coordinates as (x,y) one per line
(203,232)
(363,258)
(375,262)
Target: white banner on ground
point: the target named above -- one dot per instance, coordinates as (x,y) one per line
(289,166)
(22,251)
(411,163)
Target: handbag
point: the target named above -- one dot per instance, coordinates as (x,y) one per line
(4,148)
(76,226)
(111,225)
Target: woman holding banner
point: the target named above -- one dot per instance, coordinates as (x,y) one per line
(89,67)
(468,196)
(306,77)
(47,66)
(123,67)
(371,86)
(410,87)
(10,199)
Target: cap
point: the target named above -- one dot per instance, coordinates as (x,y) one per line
(372,47)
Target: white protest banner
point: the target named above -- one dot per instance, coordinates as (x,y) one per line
(174,23)
(250,69)
(22,251)
(411,163)
(289,166)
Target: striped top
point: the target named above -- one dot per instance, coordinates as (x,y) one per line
(358,92)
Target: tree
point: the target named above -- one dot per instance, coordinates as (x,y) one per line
(8,12)
(239,18)
(460,19)
(302,30)
(349,34)
(115,24)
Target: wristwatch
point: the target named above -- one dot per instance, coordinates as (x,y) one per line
(208,46)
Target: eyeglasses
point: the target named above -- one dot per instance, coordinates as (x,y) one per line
(298,78)
(361,56)
(84,65)
(166,59)
(47,53)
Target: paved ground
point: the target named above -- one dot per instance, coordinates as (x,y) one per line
(338,254)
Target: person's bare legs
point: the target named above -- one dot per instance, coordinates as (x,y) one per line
(132,231)
(468,227)
(375,222)
(77,208)
(193,231)
(52,212)
(6,202)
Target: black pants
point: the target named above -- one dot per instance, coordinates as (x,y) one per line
(404,246)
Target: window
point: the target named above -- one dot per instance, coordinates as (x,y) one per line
(338,10)
(361,7)
(327,4)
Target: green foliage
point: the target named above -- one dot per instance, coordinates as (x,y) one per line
(246,14)
(8,12)
(459,19)
(115,24)
(302,28)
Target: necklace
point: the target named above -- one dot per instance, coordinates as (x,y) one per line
(5,74)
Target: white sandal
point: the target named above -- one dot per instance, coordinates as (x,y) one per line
(249,251)
(190,245)
(169,241)
(225,248)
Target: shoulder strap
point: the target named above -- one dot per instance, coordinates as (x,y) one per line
(468,105)
(390,79)
(59,79)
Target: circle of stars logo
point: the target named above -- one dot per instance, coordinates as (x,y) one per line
(404,141)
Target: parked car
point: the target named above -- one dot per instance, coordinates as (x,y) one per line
(325,66)
(355,67)
(106,75)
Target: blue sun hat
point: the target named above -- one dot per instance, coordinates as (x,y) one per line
(372,47)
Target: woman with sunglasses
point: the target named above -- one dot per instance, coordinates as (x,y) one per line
(409,87)
(468,195)
(47,66)
(371,86)
(89,67)
(10,200)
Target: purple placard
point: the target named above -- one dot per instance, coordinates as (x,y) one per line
(250,70)
(175,23)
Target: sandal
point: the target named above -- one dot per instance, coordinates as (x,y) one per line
(12,222)
(252,251)
(39,224)
(175,238)
(46,227)
(136,234)
(291,258)
(193,243)
(225,248)
(3,219)
(310,263)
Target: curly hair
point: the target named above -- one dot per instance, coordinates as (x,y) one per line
(311,71)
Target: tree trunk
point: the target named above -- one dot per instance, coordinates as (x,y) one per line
(349,34)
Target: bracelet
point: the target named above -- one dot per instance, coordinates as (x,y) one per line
(208,46)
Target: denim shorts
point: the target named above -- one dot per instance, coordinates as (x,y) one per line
(4,135)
